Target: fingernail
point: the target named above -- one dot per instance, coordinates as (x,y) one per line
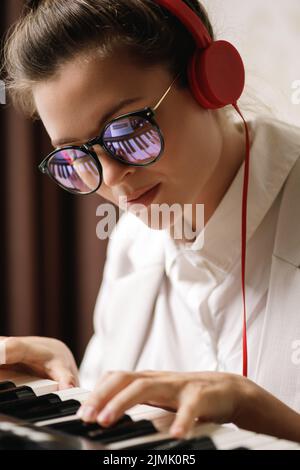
(177,431)
(65,386)
(106,416)
(87,413)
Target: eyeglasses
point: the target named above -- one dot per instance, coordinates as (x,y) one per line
(133,139)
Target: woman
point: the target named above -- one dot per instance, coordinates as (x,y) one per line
(167,320)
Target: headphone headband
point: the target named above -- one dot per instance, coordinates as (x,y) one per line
(190,20)
(216,71)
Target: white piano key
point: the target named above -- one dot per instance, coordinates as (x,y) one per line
(92,167)
(237,438)
(249,441)
(48,422)
(140,143)
(278,444)
(127,147)
(138,154)
(150,138)
(258,439)
(39,386)
(152,145)
(139,411)
(123,147)
(75,393)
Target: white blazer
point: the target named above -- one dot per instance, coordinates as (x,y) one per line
(133,273)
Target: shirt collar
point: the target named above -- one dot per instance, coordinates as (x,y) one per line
(275,149)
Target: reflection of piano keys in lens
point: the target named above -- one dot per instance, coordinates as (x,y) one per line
(82,175)
(133,143)
(68,182)
(87,172)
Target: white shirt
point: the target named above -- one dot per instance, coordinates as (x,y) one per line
(161,307)
(198,314)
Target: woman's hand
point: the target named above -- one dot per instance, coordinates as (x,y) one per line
(44,357)
(205,396)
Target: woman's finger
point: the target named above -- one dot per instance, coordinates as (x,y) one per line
(189,409)
(109,386)
(39,357)
(64,376)
(210,403)
(12,350)
(141,390)
(2,351)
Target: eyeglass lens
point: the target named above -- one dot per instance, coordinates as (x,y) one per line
(75,170)
(132,139)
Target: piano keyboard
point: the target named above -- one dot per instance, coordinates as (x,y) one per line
(35,415)
(144,144)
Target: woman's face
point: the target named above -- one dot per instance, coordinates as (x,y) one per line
(73,104)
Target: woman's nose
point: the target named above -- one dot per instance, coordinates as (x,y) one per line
(114,171)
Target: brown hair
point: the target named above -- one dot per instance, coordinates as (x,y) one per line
(51,32)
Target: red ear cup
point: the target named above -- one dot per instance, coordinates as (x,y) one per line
(216,75)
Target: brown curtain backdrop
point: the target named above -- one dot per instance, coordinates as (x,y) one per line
(51,259)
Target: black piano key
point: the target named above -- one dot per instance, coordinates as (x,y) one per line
(58,410)
(150,138)
(7,385)
(80,428)
(201,443)
(145,141)
(139,143)
(133,150)
(31,405)
(121,433)
(127,147)
(198,443)
(74,427)
(241,448)
(60,173)
(14,394)
(10,441)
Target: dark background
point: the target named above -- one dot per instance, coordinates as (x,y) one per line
(51,260)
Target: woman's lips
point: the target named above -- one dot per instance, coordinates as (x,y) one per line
(146,198)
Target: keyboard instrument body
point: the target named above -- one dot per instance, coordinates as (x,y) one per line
(51,433)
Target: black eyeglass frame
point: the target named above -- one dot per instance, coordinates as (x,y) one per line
(147,113)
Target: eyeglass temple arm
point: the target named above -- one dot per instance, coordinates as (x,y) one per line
(163,97)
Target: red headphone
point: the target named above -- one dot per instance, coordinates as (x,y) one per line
(216,77)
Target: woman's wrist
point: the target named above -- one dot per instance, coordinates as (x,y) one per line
(262,412)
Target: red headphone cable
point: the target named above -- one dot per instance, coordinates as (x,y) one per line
(244,240)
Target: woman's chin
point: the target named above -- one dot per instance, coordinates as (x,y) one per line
(156,217)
